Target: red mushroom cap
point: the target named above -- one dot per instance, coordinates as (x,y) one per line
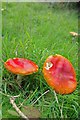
(60,74)
(21,66)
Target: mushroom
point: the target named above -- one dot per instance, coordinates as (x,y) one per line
(60,74)
(74,34)
(21,66)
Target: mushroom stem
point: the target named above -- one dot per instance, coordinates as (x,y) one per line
(19,79)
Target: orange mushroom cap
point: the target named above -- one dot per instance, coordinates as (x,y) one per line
(60,74)
(21,66)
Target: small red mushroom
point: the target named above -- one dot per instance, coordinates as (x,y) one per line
(21,66)
(60,74)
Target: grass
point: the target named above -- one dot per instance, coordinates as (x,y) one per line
(35,31)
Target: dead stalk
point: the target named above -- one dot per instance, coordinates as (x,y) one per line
(17,109)
(40,97)
(58,104)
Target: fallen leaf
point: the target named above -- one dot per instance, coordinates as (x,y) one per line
(12,112)
(31,112)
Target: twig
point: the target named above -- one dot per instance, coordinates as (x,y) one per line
(12,98)
(17,109)
(16,96)
(40,97)
(58,104)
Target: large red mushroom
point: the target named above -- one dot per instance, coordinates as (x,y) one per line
(60,74)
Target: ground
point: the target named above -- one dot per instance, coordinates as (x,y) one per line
(35,31)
